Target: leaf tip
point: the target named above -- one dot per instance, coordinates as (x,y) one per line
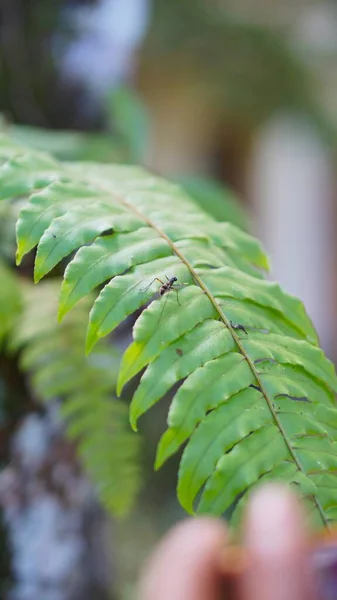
(133,423)
(159,461)
(267,263)
(119,385)
(21,249)
(91,340)
(18,257)
(88,346)
(63,308)
(60,313)
(183,498)
(37,275)
(163,450)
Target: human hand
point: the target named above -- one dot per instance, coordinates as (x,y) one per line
(189,564)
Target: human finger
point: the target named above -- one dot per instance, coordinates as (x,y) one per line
(276,541)
(185,566)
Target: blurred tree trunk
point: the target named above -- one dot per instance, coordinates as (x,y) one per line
(58,534)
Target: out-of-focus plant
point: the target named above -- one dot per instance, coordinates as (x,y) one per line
(128,123)
(51,357)
(244,70)
(125,138)
(128,117)
(216,199)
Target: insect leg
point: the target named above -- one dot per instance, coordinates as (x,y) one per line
(151,282)
(162,310)
(176,291)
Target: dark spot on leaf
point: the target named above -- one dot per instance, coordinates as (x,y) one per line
(54,236)
(266,359)
(179,352)
(205,265)
(295,398)
(256,387)
(311,435)
(107,232)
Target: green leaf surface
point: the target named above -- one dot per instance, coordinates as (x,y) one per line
(242,469)
(108,256)
(300,353)
(172,321)
(246,412)
(221,377)
(125,294)
(228,282)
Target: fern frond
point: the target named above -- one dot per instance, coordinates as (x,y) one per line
(257,394)
(52,355)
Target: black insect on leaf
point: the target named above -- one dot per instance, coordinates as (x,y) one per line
(238,326)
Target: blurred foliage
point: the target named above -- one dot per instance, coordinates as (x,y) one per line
(69,145)
(10,301)
(244,70)
(8,214)
(216,199)
(247,71)
(52,356)
(127,114)
(129,125)
(125,138)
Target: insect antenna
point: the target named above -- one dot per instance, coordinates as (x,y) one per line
(176,291)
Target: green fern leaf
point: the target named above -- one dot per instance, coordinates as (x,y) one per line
(256,399)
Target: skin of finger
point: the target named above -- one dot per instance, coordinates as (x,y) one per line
(277,543)
(185,566)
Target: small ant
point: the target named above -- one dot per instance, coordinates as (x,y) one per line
(165,286)
(238,326)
